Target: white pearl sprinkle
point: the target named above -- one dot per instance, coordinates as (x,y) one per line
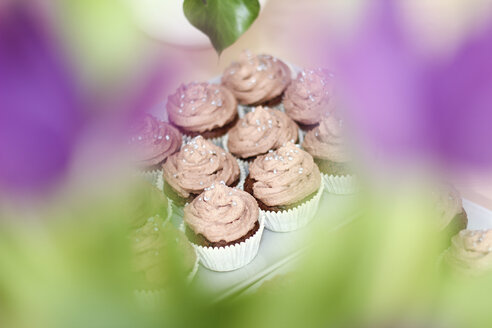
(201,183)
(300,170)
(234,203)
(219,103)
(216,91)
(167,137)
(290,158)
(139,138)
(274,171)
(213,103)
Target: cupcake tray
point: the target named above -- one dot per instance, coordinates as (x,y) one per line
(278,251)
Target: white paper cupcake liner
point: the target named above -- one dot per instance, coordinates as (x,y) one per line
(216,141)
(302,135)
(149,299)
(150,176)
(231,257)
(294,218)
(340,185)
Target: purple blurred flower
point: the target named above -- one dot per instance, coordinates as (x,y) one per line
(39,112)
(406,105)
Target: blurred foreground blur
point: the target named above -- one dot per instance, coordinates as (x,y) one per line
(72,74)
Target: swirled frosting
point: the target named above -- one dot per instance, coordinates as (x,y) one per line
(152,245)
(153,141)
(448,204)
(284,176)
(197,166)
(309,96)
(327,141)
(471,252)
(199,107)
(256,79)
(222,213)
(259,131)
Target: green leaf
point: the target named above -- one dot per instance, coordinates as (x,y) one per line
(223,21)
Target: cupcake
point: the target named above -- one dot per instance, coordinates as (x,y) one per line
(156,247)
(152,142)
(452,217)
(309,97)
(287,186)
(223,225)
(327,145)
(147,201)
(209,110)
(259,131)
(257,79)
(198,165)
(470,253)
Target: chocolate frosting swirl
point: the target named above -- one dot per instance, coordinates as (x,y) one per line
(284,176)
(199,107)
(309,96)
(326,141)
(471,252)
(256,79)
(197,166)
(153,141)
(259,131)
(222,213)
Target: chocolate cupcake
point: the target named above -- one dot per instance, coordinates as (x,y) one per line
(223,225)
(326,143)
(309,97)
(470,253)
(209,110)
(198,165)
(257,79)
(259,131)
(147,201)
(152,142)
(287,186)
(156,245)
(451,214)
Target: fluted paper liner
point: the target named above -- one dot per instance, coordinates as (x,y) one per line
(231,257)
(294,218)
(150,299)
(340,185)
